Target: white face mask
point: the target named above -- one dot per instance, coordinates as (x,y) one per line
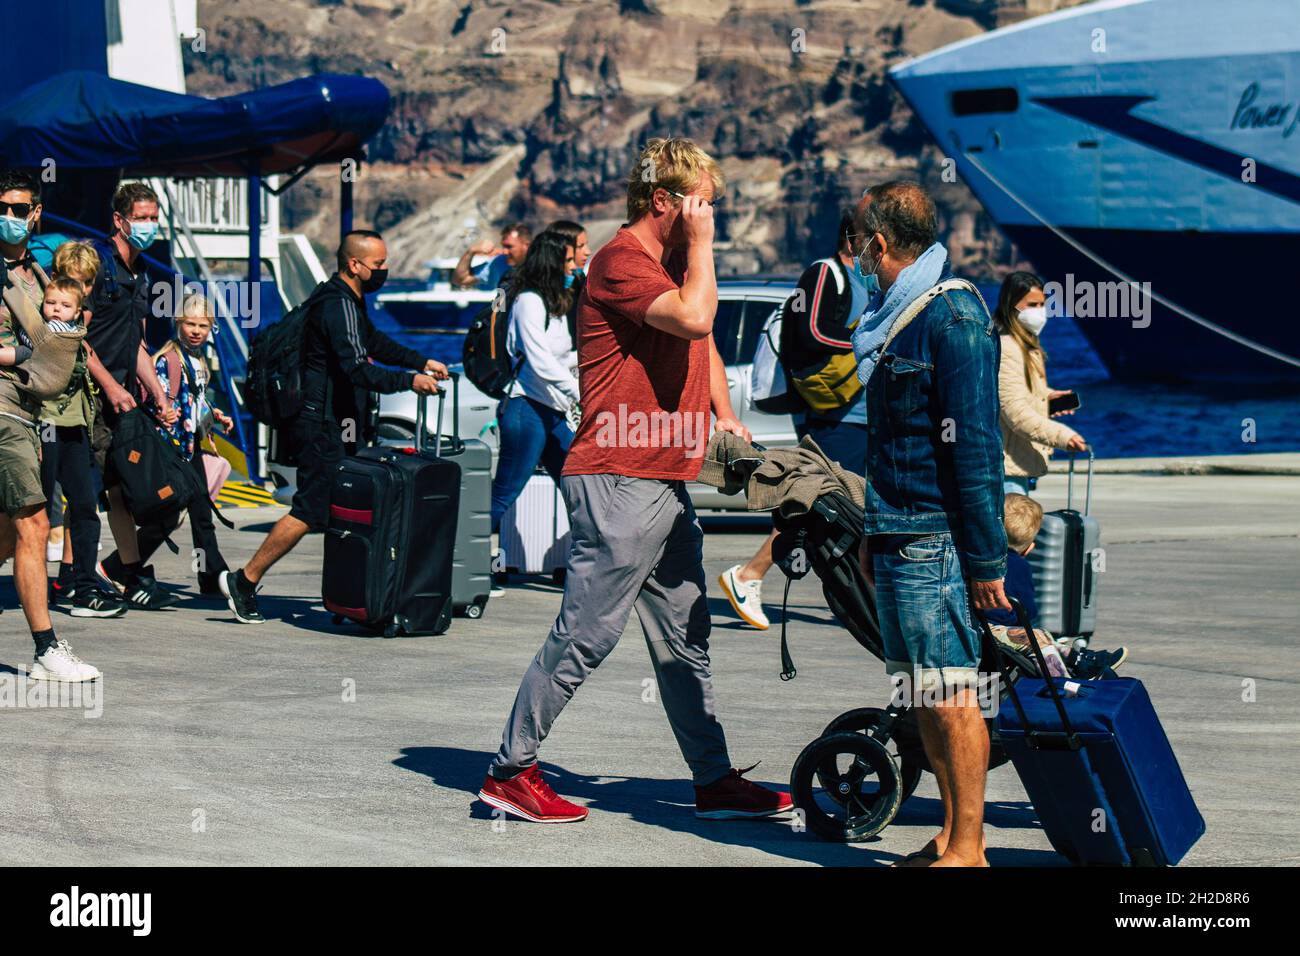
(1033,318)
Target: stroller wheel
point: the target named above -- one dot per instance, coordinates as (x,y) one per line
(847,786)
(905,738)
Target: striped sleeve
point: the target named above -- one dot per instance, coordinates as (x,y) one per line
(342,323)
(823,319)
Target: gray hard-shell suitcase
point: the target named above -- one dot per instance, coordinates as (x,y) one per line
(1066,561)
(471,572)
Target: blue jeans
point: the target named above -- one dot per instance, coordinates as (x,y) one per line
(530,432)
(925,617)
(844,443)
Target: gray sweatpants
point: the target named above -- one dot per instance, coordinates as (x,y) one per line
(636,542)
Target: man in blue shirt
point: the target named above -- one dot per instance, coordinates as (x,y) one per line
(515,238)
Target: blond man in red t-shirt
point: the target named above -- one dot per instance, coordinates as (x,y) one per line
(648,373)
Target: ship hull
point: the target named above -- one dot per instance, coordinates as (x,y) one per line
(1146,141)
(1203,273)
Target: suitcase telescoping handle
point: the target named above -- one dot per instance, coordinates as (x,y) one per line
(1069,483)
(422,417)
(1038,739)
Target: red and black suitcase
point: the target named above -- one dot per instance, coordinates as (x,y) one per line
(392,535)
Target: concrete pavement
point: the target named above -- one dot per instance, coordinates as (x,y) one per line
(301,743)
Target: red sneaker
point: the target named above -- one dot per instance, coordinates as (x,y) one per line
(735,798)
(528,796)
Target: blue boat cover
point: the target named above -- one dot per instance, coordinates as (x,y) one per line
(86,120)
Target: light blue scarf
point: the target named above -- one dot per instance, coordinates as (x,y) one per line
(882,311)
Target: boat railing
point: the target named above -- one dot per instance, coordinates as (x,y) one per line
(214,205)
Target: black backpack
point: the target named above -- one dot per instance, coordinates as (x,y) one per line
(156,482)
(273,388)
(486,362)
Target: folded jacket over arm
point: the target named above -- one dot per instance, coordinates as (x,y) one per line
(787,479)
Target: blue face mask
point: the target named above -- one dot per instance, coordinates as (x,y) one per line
(869,279)
(568,279)
(12,230)
(143,234)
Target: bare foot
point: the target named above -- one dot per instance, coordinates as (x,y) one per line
(952,858)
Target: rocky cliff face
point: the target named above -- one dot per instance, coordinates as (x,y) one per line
(534,109)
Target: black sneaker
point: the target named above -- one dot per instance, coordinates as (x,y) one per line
(93,602)
(1097,665)
(61,591)
(141,591)
(242,605)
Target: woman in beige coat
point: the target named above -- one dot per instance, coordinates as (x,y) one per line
(1029,434)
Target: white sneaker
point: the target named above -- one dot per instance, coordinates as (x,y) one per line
(746,597)
(60,664)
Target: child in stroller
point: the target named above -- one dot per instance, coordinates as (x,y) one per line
(851,781)
(1022,518)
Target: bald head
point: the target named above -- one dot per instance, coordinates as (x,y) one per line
(364,245)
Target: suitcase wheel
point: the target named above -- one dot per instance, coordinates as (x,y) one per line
(905,737)
(847,786)
(474,611)
(337,619)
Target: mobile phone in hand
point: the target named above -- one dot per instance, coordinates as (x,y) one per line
(1064,403)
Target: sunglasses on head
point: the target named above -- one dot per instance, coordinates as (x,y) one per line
(19,209)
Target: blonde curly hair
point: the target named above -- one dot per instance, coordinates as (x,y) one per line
(1023,516)
(77,260)
(677,165)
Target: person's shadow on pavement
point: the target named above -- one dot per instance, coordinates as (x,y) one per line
(662,803)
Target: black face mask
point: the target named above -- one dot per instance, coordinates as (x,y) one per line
(374,281)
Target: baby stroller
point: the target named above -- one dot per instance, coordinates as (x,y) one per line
(850,782)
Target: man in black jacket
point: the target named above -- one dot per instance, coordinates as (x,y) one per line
(338,378)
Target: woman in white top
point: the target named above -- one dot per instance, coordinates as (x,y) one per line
(534,418)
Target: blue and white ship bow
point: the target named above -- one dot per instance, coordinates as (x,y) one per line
(1145,156)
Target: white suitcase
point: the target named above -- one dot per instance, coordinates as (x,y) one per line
(535,530)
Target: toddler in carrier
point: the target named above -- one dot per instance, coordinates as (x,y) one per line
(66,460)
(1023,516)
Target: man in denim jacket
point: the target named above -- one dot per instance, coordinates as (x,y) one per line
(934,537)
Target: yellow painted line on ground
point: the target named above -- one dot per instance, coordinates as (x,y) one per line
(245,502)
(241,487)
(242,494)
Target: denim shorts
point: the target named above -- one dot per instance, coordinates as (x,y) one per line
(925,616)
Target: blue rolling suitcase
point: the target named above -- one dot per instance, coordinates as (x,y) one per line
(1098,767)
